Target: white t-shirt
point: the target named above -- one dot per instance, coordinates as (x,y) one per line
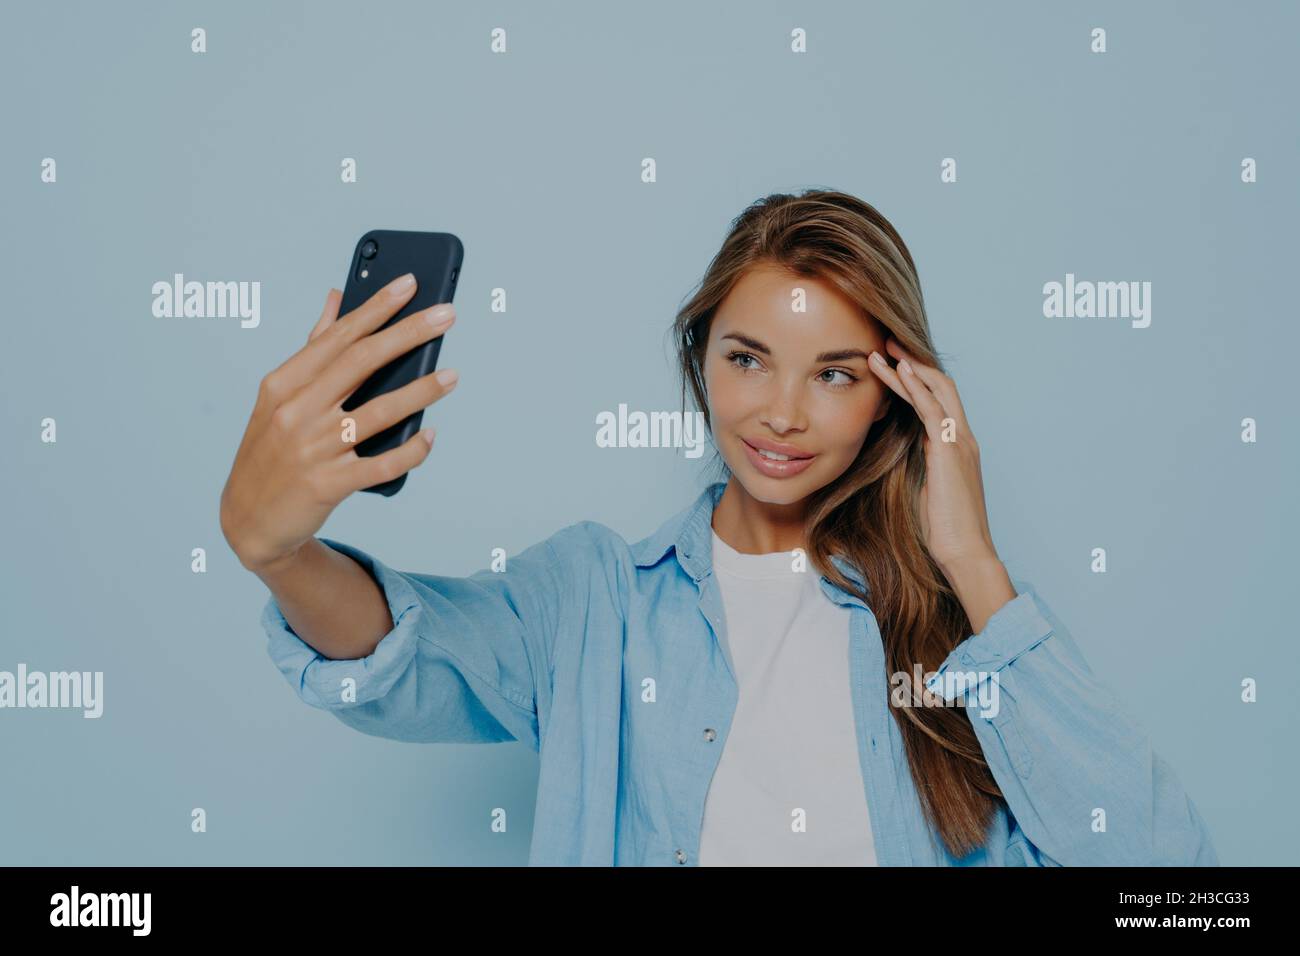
(788,788)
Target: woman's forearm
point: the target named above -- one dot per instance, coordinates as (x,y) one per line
(329,600)
(983,586)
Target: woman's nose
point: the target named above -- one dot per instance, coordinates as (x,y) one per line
(784,409)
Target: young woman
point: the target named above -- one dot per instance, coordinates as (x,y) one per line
(821,660)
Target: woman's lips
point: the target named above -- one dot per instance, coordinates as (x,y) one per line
(776,469)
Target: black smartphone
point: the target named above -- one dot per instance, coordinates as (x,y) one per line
(382,255)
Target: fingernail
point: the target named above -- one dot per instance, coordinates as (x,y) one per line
(401,284)
(447,377)
(440,315)
(902,363)
(427,434)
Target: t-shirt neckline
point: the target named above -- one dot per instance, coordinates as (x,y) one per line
(772,566)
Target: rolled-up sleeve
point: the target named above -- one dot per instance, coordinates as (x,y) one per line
(467,659)
(1079,775)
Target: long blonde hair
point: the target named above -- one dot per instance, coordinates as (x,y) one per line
(869,514)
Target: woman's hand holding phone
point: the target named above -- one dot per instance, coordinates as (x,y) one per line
(297,459)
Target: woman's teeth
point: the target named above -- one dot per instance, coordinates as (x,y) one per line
(773,455)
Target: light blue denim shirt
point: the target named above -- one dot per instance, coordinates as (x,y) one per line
(558,651)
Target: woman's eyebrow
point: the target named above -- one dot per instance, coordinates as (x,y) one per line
(838,355)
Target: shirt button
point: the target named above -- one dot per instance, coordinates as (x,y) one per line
(710,733)
(681,857)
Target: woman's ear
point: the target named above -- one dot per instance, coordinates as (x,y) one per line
(883,410)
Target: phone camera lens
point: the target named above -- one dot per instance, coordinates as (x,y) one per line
(369,249)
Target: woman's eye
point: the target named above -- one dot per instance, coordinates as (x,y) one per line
(849,379)
(732,357)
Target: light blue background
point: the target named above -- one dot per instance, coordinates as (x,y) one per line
(225,166)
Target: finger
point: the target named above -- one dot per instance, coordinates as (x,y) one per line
(328,314)
(304,365)
(923,400)
(940,384)
(362,472)
(910,387)
(389,408)
(876,362)
(360,359)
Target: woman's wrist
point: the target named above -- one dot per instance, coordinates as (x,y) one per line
(282,565)
(983,586)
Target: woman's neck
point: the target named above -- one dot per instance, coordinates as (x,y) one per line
(751,526)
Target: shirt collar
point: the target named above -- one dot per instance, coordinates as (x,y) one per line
(689,533)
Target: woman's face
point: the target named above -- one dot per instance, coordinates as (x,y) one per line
(797,380)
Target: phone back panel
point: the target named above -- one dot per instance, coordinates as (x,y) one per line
(435,259)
